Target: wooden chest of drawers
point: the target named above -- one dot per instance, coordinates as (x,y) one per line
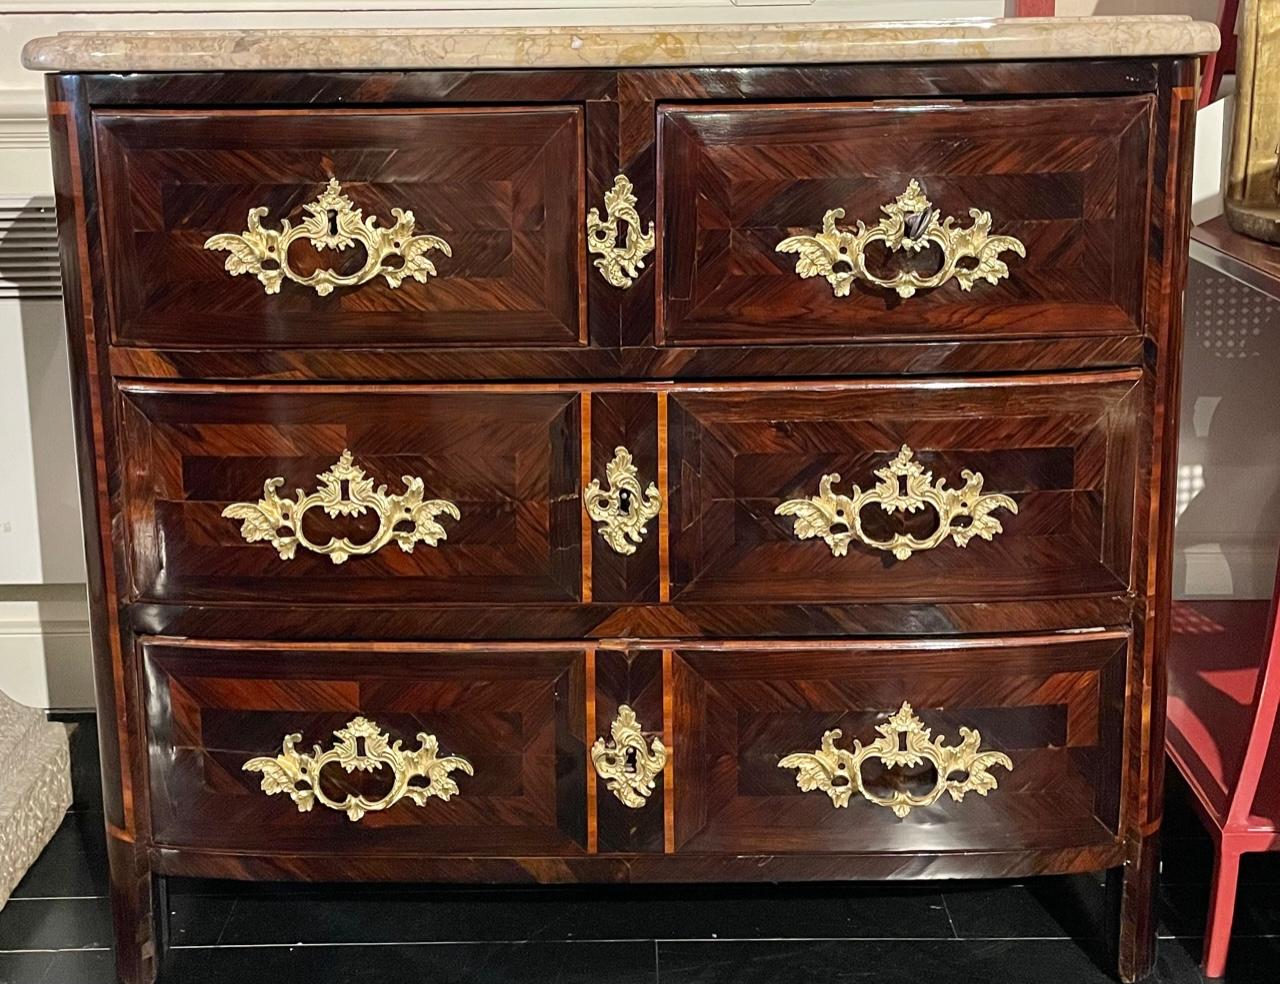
(653,474)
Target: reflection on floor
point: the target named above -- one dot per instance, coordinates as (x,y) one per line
(57,929)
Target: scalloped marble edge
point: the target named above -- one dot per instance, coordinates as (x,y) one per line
(568,47)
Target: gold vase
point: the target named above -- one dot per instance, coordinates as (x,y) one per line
(1253,184)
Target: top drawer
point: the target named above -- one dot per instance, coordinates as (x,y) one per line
(1065,178)
(499,189)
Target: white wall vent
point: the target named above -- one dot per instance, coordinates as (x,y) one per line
(29,249)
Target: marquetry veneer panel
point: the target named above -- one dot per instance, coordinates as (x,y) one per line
(515,714)
(1054,705)
(1064,449)
(502,187)
(506,459)
(1067,177)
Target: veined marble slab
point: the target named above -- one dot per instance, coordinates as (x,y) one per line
(564,47)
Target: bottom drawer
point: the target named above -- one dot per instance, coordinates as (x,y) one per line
(1036,723)
(471,750)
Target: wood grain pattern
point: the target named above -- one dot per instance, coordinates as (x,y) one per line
(515,715)
(508,461)
(632,677)
(625,419)
(408,620)
(1054,706)
(1066,177)
(868,357)
(593,806)
(502,187)
(137,915)
(1064,449)
(637,869)
(1133,888)
(505,383)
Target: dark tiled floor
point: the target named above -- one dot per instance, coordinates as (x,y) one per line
(1043,931)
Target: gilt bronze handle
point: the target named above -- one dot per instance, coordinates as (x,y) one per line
(332,222)
(911,224)
(362,746)
(904,487)
(904,742)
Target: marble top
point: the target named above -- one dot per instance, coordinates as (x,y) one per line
(569,47)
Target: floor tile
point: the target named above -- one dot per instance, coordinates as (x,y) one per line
(696,912)
(81,967)
(1184,907)
(73,864)
(904,962)
(1250,961)
(1072,906)
(446,963)
(55,924)
(24,968)
(199,920)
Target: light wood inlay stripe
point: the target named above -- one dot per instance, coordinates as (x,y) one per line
(669,773)
(664,511)
(593,829)
(584,266)
(585,477)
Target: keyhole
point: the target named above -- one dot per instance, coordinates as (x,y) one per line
(917,223)
(333,222)
(624,500)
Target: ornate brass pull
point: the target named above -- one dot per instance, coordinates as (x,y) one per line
(626,762)
(280,520)
(911,224)
(332,222)
(619,264)
(960,769)
(298,774)
(623,509)
(837,518)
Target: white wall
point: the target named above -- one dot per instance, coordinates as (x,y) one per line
(1199,9)
(1226,536)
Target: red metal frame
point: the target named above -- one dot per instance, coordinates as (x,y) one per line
(1222,61)
(1237,826)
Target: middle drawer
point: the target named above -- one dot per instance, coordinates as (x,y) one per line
(730,494)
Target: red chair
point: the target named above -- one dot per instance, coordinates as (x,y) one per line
(1223,61)
(1224,694)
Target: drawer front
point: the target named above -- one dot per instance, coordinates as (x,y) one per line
(961,490)
(500,188)
(411,748)
(1064,178)
(1044,742)
(314,494)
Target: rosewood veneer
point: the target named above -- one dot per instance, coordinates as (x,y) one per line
(629,512)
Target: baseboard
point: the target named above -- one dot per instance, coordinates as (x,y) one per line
(47,664)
